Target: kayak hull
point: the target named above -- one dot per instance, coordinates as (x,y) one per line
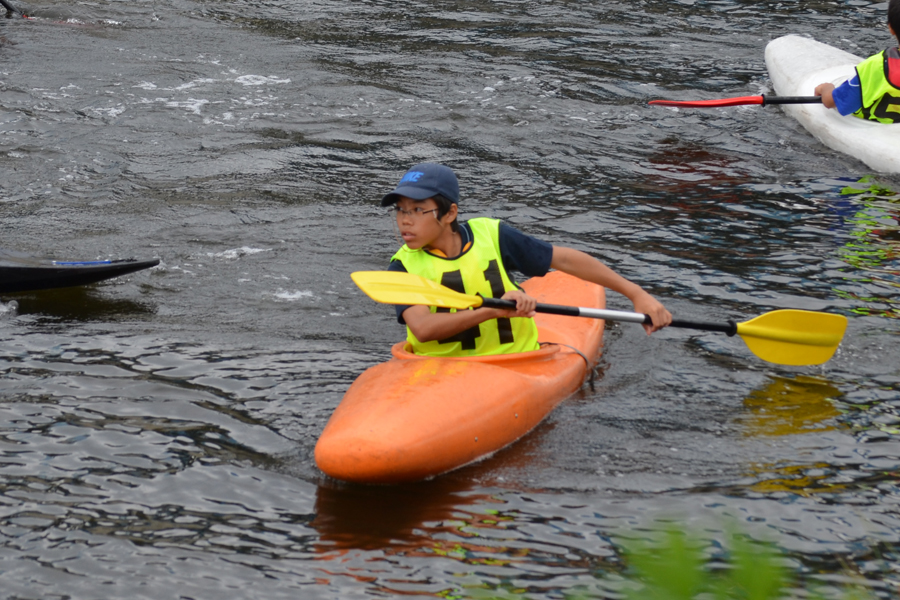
(796,66)
(22,273)
(415,417)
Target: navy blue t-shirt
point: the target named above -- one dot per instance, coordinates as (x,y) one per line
(519,252)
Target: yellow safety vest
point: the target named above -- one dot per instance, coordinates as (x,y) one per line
(479,270)
(879,80)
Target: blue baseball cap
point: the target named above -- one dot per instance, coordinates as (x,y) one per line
(425,180)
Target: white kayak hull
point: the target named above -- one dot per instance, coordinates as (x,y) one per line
(796,66)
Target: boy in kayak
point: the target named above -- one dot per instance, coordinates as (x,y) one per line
(474,257)
(874,92)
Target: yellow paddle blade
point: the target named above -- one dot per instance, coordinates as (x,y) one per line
(794,337)
(397,287)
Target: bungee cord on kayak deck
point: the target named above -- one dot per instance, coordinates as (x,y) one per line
(592,369)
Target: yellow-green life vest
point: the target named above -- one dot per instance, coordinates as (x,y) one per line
(479,270)
(879,81)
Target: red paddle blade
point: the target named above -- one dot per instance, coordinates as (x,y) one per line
(739,101)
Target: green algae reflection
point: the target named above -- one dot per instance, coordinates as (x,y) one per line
(873,250)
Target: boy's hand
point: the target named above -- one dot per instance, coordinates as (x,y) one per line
(525,304)
(649,305)
(824,90)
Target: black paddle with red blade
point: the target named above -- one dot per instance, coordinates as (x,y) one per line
(740,101)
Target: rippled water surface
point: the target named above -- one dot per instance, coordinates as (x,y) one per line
(157,431)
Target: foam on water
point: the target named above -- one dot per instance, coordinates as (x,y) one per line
(254,80)
(9,309)
(236,253)
(292,296)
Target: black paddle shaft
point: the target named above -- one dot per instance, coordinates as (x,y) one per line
(791,100)
(729,328)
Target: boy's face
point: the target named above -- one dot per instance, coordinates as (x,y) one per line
(418,222)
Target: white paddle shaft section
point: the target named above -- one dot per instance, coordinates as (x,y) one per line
(729,328)
(573,311)
(611,315)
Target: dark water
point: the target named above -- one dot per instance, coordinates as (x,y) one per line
(156,431)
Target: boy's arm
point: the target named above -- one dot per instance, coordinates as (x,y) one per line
(846,98)
(428,326)
(577,263)
(825,90)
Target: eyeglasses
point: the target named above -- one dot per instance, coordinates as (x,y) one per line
(416,213)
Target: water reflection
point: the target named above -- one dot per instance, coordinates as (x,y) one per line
(412,517)
(872,250)
(789,407)
(84,303)
(403,517)
(448,525)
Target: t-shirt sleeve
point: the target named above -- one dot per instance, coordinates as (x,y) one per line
(396,265)
(848,96)
(527,255)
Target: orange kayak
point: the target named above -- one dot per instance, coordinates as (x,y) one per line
(415,417)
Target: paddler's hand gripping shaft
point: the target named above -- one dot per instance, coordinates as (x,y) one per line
(729,328)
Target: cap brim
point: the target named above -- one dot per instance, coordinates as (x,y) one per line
(416,193)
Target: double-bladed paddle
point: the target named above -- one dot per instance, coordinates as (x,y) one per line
(787,337)
(740,101)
